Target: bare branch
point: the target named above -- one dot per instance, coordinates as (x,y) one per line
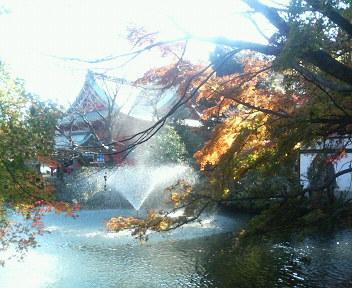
(260,31)
(146,134)
(132,54)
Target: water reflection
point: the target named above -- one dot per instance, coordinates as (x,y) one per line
(320,261)
(78,253)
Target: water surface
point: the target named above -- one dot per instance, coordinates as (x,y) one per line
(79,253)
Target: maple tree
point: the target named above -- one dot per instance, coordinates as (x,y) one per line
(263,101)
(280,95)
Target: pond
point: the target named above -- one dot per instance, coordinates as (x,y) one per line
(79,253)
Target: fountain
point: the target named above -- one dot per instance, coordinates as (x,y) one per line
(125,186)
(137,183)
(79,253)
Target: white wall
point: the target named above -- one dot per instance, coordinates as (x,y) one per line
(344,182)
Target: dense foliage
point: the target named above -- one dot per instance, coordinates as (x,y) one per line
(264,102)
(167,147)
(268,103)
(27,128)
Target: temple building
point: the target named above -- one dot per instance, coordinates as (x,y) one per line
(106,112)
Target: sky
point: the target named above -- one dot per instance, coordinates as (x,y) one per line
(37,35)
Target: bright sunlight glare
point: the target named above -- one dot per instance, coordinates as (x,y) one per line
(37,34)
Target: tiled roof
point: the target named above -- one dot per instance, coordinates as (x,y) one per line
(139,102)
(81,138)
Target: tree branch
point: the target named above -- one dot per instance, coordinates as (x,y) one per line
(331,181)
(329,65)
(271,14)
(261,109)
(332,14)
(242,45)
(321,81)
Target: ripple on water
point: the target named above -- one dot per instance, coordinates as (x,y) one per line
(81,254)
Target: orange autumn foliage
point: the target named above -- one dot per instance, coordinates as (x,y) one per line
(244,104)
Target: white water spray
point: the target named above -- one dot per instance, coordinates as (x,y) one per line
(137,183)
